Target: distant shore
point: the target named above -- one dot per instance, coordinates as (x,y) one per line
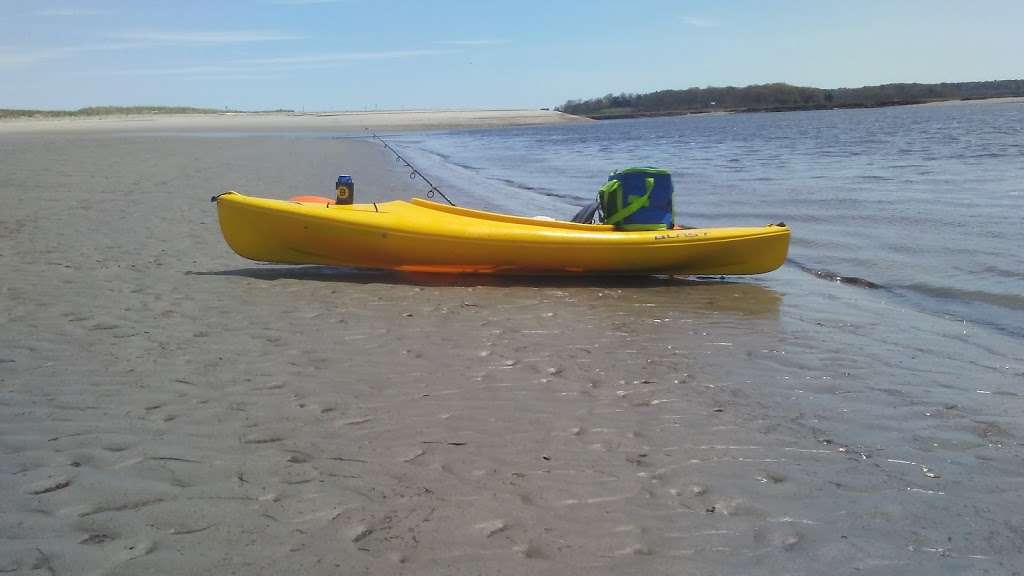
(1003,100)
(706,111)
(287,121)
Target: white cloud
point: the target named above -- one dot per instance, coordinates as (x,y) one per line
(471,42)
(208,37)
(698,22)
(284,64)
(10,57)
(70,12)
(331,58)
(221,71)
(304,2)
(13,57)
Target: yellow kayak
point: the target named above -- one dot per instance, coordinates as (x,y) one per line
(425,236)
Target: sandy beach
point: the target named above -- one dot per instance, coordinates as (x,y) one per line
(167,407)
(276,122)
(1006,100)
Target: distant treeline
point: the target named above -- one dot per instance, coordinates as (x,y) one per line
(781,97)
(113,111)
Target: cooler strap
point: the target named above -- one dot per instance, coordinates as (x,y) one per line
(635,203)
(610,196)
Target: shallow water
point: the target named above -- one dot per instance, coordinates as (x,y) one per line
(925,201)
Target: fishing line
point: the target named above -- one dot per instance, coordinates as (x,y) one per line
(413,171)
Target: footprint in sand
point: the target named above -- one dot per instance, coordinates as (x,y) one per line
(95,539)
(298,457)
(739,507)
(51,484)
(261,438)
(26,560)
(782,538)
(491,528)
(635,550)
(114,504)
(130,550)
(533,551)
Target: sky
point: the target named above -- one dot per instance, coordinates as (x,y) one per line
(395,54)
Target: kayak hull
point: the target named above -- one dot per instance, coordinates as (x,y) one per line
(429,237)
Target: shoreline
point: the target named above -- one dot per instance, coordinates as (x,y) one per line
(290,121)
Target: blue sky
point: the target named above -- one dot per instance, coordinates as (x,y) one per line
(387,54)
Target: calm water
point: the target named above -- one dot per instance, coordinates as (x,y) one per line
(926,202)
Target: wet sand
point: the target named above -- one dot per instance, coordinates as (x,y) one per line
(167,407)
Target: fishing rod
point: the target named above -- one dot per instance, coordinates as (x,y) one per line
(413,171)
